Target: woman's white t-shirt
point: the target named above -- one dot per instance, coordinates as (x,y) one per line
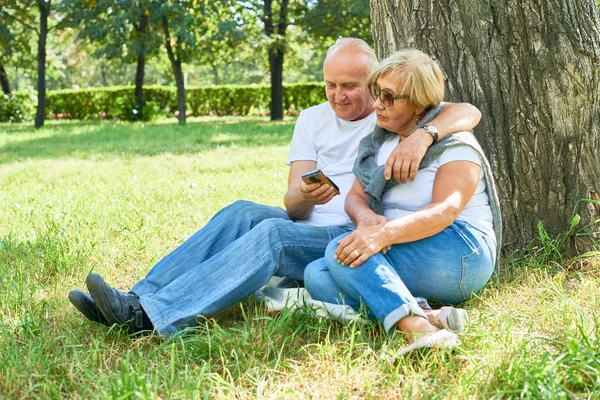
(404,199)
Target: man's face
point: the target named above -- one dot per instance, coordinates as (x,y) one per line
(346,72)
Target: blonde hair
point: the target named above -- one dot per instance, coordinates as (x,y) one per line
(423,78)
(342,43)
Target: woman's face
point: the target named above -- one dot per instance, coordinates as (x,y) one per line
(400,117)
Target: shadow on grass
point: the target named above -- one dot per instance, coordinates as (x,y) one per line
(85,140)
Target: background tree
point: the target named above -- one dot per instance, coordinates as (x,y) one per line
(7,39)
(222,37)
(531,66)
(326,20)
(35,15)
(322,21)
(274,18)
(276,22)
(121,31)
(10,48)
(179,43)
(185,25)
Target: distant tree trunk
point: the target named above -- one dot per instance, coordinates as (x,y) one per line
(139,85)
(41,81)
(216,77)
(276,55)
(4,80)
(139,73)
(531,66)
(276,67)
(103,74)
(177,71)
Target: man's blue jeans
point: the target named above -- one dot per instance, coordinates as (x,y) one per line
(235,254)
(448,267)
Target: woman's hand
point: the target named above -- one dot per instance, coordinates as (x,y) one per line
(365,241)
(370,219)
(375,219)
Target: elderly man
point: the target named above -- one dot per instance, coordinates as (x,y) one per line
(246,244)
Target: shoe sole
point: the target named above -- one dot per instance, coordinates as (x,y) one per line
(80,301)
(455,319)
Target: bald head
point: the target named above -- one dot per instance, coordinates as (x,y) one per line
(356,46)
(347,66)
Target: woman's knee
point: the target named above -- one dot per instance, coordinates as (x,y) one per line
(331,249)
(313,276)
(318,282)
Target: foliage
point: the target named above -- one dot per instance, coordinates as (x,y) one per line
(16,38)
(16,107)
(119,29)
(119,102)
(229,39)
(337,18)
(553,250)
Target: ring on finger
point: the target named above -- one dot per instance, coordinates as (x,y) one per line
(355,253)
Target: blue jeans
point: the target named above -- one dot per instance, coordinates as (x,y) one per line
(237,252)
(448,267)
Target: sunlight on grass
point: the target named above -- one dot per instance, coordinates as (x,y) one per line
(115,198)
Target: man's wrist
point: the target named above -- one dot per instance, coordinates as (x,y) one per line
(431,131)
(428,138)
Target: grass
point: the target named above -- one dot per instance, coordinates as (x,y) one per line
(115,198)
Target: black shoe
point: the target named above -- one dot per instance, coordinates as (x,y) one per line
(117,307)
(85,304)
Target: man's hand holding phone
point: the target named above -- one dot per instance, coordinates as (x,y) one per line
(317,188)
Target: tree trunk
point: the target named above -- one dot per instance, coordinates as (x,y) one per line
(4,80)
(276,54)
(177,71)
(41,81)
(531,66)
(216,75)
(276,67)
(103,74)
(139,73)
(139,85)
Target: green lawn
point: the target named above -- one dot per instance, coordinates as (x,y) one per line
(115,198)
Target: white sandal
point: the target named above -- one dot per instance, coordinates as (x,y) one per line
(453,319)
(442,339)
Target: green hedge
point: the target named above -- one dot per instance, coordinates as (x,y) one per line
(119,102)
(17,107)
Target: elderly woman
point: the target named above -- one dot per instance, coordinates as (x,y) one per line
(436,237)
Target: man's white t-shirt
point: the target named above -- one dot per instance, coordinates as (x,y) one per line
(404,199)
(321,136)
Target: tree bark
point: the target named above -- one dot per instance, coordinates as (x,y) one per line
(276,67)
(216,75)
(139,73)
(531,66)
(103,74)
(139,85)
(4,80)
(41,81)
(177,71)
(276,55)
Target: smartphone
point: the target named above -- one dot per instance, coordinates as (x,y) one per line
(318,176)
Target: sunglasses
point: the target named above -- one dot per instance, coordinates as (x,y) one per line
(386,97)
